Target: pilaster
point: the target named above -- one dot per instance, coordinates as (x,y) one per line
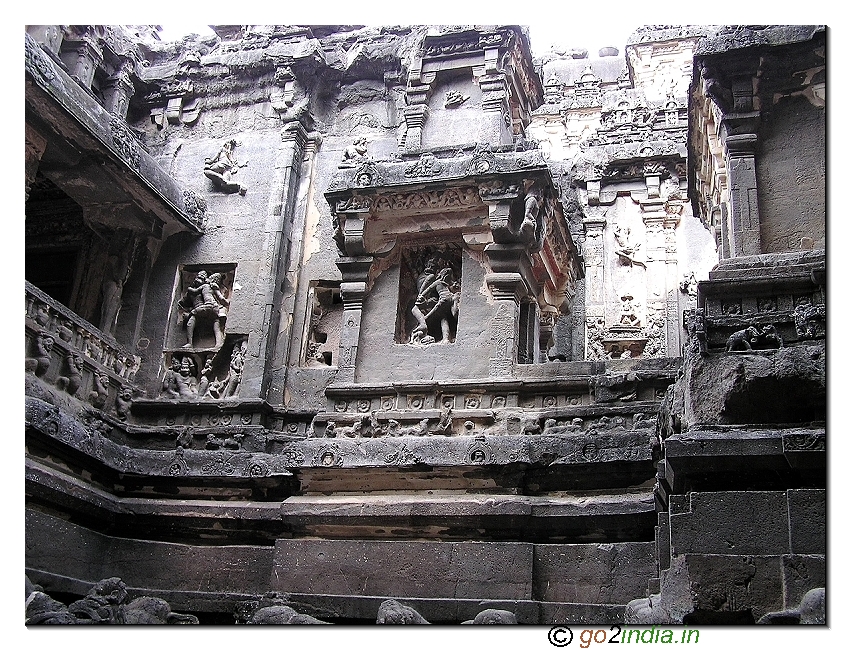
(740,141)
(282,213)
(353,290)
(82,58)
(117,92)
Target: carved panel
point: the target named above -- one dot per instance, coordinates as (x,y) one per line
(429,296)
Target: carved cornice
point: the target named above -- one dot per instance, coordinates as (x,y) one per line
(389,173)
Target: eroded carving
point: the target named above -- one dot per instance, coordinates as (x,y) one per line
(427,165)
(697,333)
(754,337)
(39,363)
(493,616)
(628,315)
(106,603)
(809,320)
(454,99)
(354,154)
(626,249)
(73,378)
(221,168)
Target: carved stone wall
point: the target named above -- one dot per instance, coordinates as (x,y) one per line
(404,305)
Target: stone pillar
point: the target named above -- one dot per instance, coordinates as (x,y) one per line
(34,146)
(414,117)
(670,223)
(265,305)
(82,58)
(654,220)
(118,91)
(743,195)
(507,290)
(655,302)
(508,283)
(494,104)
(594,277)
(353,289)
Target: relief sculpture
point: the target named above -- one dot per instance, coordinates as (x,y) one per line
(205,304)
(221,167)
(442,295)
(433,299)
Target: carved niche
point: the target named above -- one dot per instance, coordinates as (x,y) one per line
(201,310)
(429,296)
(208,374)
(324,324)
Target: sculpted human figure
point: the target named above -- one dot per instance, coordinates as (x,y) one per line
(237,362)
(169,379)
(221,167)
(204,301)
(187,384)
(123,401)
(445,310)
(204,381)
(74,374)
(40,362)
(626,250)
(689,285)
(216,388)
(97,397)
(532,222)
(354,153)
(114,276)
(424,302)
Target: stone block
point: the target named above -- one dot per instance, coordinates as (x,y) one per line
(400,569)
(606,573)
(91,556)
(720,588)
(801,573)
(731,522)
(785,385)
(807,520)
(735,584)
(596,614)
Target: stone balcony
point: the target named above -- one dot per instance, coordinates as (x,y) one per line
(66,351)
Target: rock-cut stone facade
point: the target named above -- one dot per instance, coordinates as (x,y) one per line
(333,324)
